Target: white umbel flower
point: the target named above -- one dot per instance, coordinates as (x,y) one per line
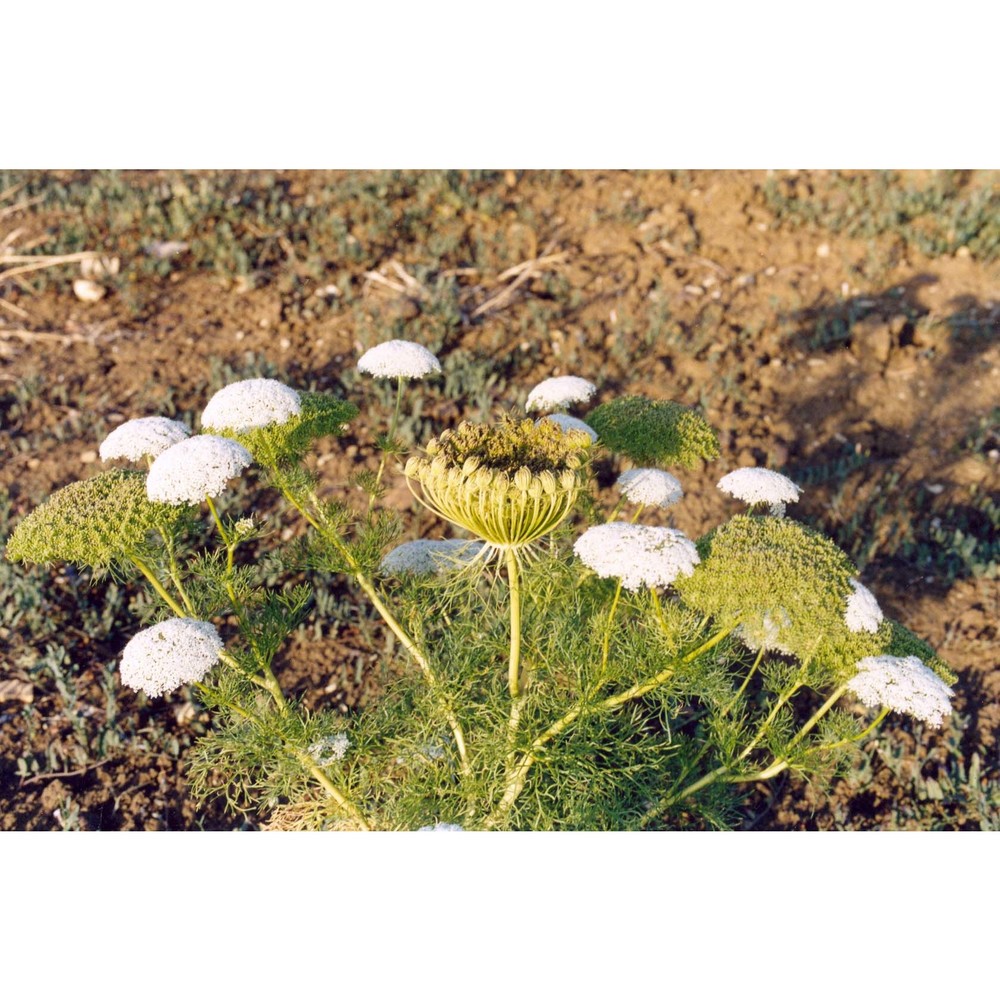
(398,359)
(173,652)
(426,556)
(442,828)
(904,684)
(254,402)
(863,613)
(650,487)
(638,555)
(329,749)
(145,436)
(558,393)
(568,423)
(196,468)
(755,486)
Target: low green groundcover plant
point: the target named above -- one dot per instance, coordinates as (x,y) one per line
(569,668)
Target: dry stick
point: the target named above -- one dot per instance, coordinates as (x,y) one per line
(16,310)
(39,263)
(524,271)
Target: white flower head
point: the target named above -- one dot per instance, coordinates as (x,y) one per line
(558,393)
(145,436)
(398,359)
(638,555)
(425,556)
(442,828)
(329,749)
(863,613)
(650,487)
(904,684)
(254,402)
(174,652)
(568,423)
(755,486)
(196,468)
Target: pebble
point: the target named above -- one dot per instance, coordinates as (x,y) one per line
(823,250)
(88,291)
(89,456)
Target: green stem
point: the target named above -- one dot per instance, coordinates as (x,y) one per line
(514,667)
(392,438)
(338,795)
(519,776)
(746,681)
(387,616)
(159,588)
(780,763)
(606,646)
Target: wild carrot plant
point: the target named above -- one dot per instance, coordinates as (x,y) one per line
(567,666)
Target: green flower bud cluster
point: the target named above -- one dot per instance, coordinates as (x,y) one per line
(654,432)
(289,442)
(97,523)
(510,483)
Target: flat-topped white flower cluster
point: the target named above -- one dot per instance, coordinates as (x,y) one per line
(398,359)
(426,556)
(650,487)
(904,684)
(173,652)
(144,437)
(254,402)
(558,393)
(637,554)
(754,486)
(329,749)
(197,468)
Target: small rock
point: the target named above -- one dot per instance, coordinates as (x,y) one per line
(88,291)
(823,250)
(88,457)
(166,249)
(15,690)
(100,267)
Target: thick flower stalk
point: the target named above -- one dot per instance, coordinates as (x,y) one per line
(510,484)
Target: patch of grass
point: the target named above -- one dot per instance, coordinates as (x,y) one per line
(937,218)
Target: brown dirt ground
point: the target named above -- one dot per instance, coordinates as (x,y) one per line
(746,302)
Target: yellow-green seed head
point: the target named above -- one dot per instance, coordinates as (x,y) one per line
(509,483)
(95,523)
(785,586)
